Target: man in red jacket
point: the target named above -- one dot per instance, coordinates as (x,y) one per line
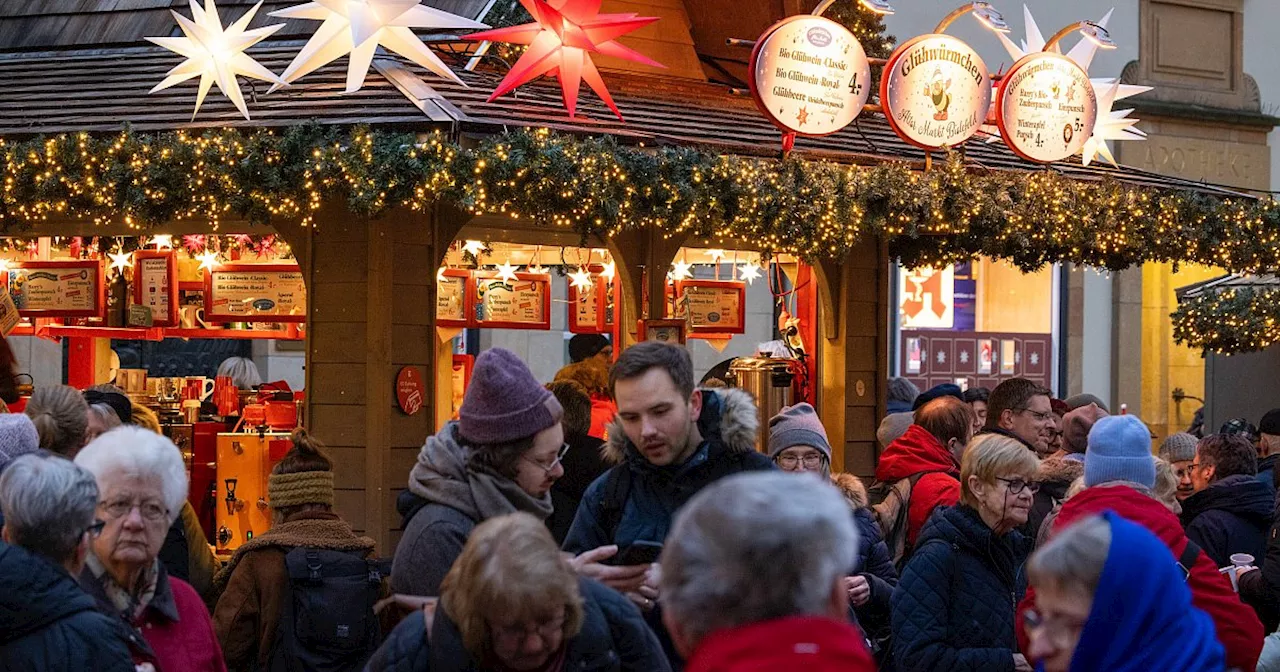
(1116,483)
(932,447)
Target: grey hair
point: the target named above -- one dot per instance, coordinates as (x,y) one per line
(1074,559)
(48,504)
(134,451)
(756,547)
(244,373)
(105,415)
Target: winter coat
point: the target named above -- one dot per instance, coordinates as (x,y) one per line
(445,501)
(729,422)
(1267,470)
(613,637)
(953,608)
(1261,589)
(186,554)
(603,411)
(1056,474)
(48,623)
(255,584)
(176,631)
(582,465)
(1238,629)
(915,452)
(796,643)
(874,563)
(1232,515)
(1142,618)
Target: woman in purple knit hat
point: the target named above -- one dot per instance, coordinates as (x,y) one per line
(501,456)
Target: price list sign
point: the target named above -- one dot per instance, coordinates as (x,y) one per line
(810,75)
(1046,108)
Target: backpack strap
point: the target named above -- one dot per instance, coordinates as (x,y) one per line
(1187,560)
(617,488)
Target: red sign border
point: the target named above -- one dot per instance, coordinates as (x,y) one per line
(94,265)
(212,316)
(1004,86)
(544,325)
(739,285)
(468,300)
(172,258)
(884,92)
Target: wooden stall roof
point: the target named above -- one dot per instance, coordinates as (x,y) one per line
(103,90)
(1225,282)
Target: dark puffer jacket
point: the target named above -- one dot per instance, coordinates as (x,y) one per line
(1230,516)
(48,623)
(613,638)
(953,609)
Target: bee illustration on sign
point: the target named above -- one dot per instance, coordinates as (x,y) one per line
(939,91)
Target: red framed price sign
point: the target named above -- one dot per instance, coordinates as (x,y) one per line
(454,294)
(663,331)
(591,311)
(155,285)
(712,306)
(522,304)
(57,288)
(255,293)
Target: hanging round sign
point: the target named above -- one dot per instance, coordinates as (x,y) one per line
(936,91)
(809,75)
(1046,107)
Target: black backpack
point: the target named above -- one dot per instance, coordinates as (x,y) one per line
(327,623)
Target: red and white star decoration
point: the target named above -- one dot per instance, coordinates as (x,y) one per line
(561,40)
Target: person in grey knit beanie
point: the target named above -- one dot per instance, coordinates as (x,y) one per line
(798,441)
(18,437)
(1179,450)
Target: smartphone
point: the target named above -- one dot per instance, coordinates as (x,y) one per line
(639,553)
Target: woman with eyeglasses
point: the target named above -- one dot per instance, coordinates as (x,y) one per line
(1111,596)
(142,483)
(954,606)
(501,456)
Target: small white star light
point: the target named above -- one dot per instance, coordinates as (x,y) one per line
(473,247)
(162,242)
(580,279)
(358,27)
(716,255)
(440,274)
(120,260)
(610,270)
(749,271)
(208,259)
(680,270)
(215,53)
(507,272)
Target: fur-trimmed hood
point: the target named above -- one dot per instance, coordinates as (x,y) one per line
(852,488)
(1060,470)
(728,414)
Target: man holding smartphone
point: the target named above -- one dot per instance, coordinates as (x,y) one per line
(668,441)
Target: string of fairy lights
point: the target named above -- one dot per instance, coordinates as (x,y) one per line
(1234,320)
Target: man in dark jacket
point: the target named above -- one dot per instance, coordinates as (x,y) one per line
(1021,409)
(1231,510)
(1269,446)
(47,622)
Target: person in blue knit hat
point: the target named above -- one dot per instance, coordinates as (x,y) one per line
(1119,451)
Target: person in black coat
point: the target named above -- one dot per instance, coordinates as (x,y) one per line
(582,463)
(47,622)
(871,586)
(954,606)
(512,602)
(1230,511)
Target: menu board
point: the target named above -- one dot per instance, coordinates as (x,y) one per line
(936,91)
(522,304)
(250,292)
(155,285)
(1046,107)
(809,75)
(712,306)
(586,314)
(57,288)
(451,297)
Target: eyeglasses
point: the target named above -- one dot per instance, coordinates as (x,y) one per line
(95,530)
(790,462)
(1058,629)
(1042,417)
(1017,485)
(518,634)
(151,511)
(554,463)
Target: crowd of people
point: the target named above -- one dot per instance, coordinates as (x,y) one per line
(623,518)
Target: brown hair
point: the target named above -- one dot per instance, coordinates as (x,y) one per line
(61,417)
(577,406)
(307,454)
(509,568)
(1012,395)
(502,459)
(1229,454)
(946,418)
(144,417)
(636,361)
(592,374)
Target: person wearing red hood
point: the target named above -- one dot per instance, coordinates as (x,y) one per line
(753,577)
(1119,475)
(931,447)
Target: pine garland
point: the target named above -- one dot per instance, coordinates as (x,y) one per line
(814,209)
(1232,321)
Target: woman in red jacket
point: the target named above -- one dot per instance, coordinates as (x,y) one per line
(931,447)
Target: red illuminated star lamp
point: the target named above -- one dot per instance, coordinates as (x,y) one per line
(561,40)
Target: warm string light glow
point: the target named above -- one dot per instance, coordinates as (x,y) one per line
(1234,320)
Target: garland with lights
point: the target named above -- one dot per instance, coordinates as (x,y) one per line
(1232,321)
(813,209)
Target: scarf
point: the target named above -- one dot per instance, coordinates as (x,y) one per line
(130,603)
(1142,618)
(309,529)
(442,476)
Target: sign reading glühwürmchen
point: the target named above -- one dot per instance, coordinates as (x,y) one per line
(810,75)
(1046,107)
(936,91)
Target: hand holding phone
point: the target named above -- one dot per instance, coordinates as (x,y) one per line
(639,553)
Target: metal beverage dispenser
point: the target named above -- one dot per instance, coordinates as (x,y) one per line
(768,379)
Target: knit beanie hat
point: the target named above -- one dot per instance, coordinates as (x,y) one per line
(937,392)
(303,487)
(18,437)
(504,402)
(1076,425)
(583,346)
(1084,400)
(893,427)
(1180,447)
(1119,450)
(797,426)
(1270,423)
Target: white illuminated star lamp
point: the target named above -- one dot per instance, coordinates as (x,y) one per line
(749,272)
(716,255)
(580,279)
(507,272)
(358,27)
(681,270)
(162,242)
(440,274)
(4,265)
(536,268)
(473,247)
(215,54)
(208,260)
(610,270)
(120,261)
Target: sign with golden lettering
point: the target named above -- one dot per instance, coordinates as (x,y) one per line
(936,91)
(57,288)
(1046,107)
(522,304)
(247,292)
(809,75)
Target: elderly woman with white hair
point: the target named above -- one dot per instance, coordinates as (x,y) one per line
(142,484)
